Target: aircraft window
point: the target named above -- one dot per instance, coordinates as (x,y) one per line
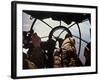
(43,27)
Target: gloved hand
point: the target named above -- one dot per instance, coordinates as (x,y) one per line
(36,40)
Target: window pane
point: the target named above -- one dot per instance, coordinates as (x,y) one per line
(26,22)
